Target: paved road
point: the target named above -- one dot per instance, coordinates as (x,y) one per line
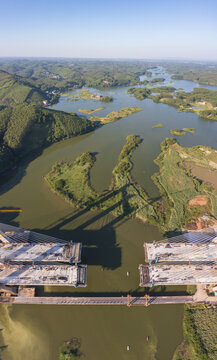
(199,297)
(130,301)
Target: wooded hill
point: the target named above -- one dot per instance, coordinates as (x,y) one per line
(65,74)
(16,90)
(25,125)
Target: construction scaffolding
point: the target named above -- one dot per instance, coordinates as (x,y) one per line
(180,274)
(187,259)
(40,252)
(30,258)
(65,275)
(181,251)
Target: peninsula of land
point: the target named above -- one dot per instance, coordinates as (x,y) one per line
(187,181)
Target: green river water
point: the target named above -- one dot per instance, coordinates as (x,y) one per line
(111,246)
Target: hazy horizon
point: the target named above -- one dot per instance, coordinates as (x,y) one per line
(115,30)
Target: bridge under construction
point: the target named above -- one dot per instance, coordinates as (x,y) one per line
(29,259)
(188,259)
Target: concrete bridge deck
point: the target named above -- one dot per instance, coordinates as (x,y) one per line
(127,301)
(130,301)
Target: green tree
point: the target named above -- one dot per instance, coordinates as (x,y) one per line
(70,350)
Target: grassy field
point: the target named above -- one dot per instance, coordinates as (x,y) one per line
(178,187)
(71,180)
(200,329)
(116,115)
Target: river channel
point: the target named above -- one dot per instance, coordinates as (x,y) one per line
(112,247)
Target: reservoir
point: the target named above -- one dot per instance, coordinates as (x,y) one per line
(112,247)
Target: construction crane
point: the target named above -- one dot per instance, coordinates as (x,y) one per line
(10,211)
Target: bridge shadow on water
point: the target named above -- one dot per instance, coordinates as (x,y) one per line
(139,292)
(94,229)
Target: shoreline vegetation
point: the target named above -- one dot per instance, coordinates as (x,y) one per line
(190,130)
(26,128)
(87,95)
(116,115)
(71,350)
(90,111)
(183,202)
(124,196)
(200,328)
(201,101)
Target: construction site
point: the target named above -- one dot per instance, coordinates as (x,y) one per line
(28,258)
(187,259)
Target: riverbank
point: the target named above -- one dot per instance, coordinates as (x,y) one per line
(200,330)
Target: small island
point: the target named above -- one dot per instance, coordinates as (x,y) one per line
(87,95)
(139,93)
(107,99)
(157,126)
(177,132)
(90,111)
(116,115)
(190,130)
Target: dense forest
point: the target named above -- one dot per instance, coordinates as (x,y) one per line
(16,90)
(65,74)
(25,125)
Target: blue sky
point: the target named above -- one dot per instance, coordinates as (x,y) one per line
(109,29)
